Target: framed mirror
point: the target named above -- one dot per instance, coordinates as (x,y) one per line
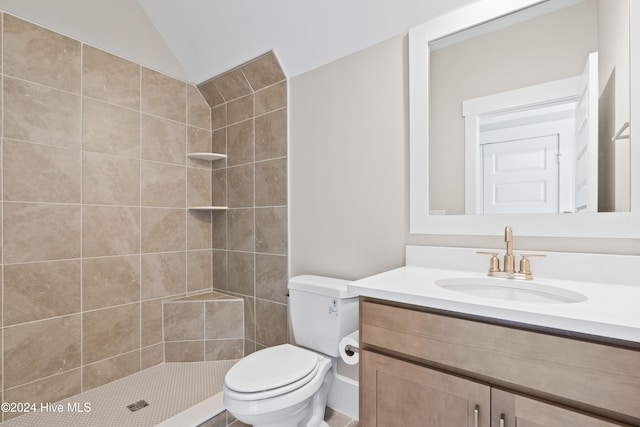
(521,114)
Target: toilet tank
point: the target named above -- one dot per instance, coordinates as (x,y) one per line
(322,312)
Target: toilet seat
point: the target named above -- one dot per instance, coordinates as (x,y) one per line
(271,372)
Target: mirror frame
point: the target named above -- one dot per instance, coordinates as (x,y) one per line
(599,225)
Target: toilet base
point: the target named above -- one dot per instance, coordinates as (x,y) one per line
(307,413)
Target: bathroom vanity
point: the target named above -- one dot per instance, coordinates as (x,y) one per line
(438,356)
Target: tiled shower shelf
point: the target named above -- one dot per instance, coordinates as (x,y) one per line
(207,156)
(208,208)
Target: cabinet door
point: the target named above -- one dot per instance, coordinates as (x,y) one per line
(398,393)
(513,410)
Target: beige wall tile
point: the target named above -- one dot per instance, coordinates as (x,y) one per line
(249,347)
(110,129)
(249,319)
(240,109)
(219,116)
(219,187)
(224,319)
(163,96)
(110,230)
(198,110)
(271,182)
(151,322)
(271,277)
(220,269)
(240,186)
(240,229)
(40,349)
(199,270)
(105,371)
(110,281)
(198,187)
(240,273)
(210,93)
(163,140)
(163,185)
(219,226)
(183,320)
(271,230)
(224,349)
(41,290)
(152,356)
(198,230)
(219,145)
(232,85)
(198,141)
(41,173)
(271,98)
(271,323)
(163,230)
(240,143)
(163,274)
(51,389)
(34,53)
(40,114)
(110,78)
(271,135)
(263,71)
(184,351)
(110,180)
(109,332)
(40,232)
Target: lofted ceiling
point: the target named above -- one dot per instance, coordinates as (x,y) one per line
(198,39)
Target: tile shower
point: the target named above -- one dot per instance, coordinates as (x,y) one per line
(96,230)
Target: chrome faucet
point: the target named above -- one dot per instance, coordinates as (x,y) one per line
(509,271)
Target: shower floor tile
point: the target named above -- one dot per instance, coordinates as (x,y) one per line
(169,389)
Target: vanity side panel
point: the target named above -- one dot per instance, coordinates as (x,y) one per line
(598,376)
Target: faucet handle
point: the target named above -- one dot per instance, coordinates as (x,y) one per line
(494,262)
(525,265)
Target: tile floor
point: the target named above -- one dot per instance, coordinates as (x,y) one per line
(169,388)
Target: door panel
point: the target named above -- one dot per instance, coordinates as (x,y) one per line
(521,176)
(396,393)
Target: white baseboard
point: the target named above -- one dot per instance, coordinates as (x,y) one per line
(343,396)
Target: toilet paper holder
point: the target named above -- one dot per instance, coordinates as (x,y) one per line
(350,350)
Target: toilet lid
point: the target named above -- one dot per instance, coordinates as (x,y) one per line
(271,368)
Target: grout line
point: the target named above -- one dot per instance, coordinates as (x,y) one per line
(255,290)
(82,385)
(140,217)
(2,15)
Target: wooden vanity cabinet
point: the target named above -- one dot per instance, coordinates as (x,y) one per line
(421,367)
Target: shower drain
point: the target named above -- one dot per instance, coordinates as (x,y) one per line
(138,405)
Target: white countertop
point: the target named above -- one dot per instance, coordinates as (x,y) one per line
(612,310)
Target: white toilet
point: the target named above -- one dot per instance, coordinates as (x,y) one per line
(288,385)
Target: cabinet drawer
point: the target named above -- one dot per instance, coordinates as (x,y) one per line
(595,375)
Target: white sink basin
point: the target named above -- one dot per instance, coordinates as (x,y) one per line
(510,290)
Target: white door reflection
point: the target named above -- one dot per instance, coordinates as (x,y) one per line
(534,149)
